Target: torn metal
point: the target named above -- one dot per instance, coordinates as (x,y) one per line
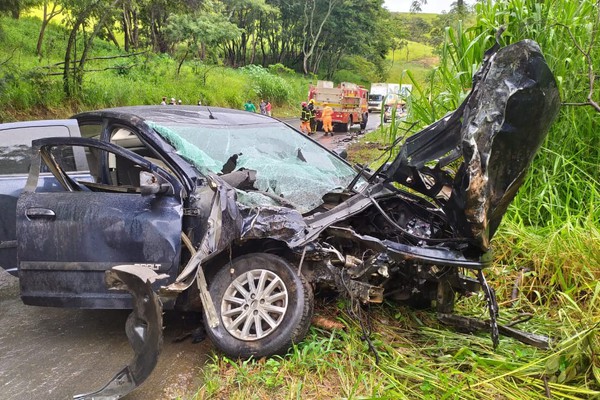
(496,131)
(143,328)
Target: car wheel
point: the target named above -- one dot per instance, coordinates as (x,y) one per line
(263,306)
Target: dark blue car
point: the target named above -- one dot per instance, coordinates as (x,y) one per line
(242,217)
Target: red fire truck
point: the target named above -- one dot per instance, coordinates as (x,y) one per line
(349,101)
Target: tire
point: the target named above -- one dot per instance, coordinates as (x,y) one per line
(285,322)
(363,124)
(346,127)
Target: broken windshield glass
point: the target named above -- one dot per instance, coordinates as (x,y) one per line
(287,165)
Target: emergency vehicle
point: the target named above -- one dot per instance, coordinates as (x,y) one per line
(349,102)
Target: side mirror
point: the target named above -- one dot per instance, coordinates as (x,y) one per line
(150,184)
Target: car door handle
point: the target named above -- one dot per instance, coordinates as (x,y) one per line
(37,213)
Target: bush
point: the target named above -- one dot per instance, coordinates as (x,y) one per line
(268,86)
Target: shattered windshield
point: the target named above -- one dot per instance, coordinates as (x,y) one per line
(287,164)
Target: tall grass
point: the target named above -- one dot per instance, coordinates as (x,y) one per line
(558,207)
(548,246)
(418,359)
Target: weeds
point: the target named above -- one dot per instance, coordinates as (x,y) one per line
(418,359)
(28,83)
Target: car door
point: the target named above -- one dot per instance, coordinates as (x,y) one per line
(68,239)
(15,156)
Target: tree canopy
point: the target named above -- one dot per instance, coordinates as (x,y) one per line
(309,36)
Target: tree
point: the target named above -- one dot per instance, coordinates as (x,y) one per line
(83,11)
(356,29)
(195,32)
(314,18)
(415,6)
(246,14)
(46,17)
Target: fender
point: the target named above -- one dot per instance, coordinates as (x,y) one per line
(143,328)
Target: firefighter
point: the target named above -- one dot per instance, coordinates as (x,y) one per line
(312,120)
(327,114)
(305,119)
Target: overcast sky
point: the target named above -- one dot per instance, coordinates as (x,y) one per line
(433,6)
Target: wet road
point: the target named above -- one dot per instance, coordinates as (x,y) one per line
(340,139)
(52,353)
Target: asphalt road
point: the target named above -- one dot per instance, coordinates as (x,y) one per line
(340,139)
(52,353)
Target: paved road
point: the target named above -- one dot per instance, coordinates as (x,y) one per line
(340,139)
(51,353)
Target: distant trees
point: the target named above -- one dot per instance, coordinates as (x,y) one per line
(15,7)
(195,33)
(309,36)
(415,6)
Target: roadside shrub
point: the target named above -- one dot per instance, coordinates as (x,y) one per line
(266,85)
(280,69)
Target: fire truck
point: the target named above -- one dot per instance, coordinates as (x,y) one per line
(349,102)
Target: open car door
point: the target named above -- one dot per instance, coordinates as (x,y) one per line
(119,229)
(129,212)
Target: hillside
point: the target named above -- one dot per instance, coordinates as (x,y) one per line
(32,85)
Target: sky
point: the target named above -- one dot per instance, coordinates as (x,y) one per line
(432,6)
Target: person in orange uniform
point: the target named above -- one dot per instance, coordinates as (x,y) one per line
(327,114)
(305,119)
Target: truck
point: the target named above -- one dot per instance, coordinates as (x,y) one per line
(349,102)
(379,92)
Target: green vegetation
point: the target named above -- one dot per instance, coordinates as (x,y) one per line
(549,240)
(418,58)
(146,50)
(417,359)
(28,84)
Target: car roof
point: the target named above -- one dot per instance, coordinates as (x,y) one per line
(168,114)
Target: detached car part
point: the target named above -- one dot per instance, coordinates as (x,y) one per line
(143,328)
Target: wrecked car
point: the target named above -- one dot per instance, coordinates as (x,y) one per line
(244,218)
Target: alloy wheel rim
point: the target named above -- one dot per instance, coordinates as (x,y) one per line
(254,305)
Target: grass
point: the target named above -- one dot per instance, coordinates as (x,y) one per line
(418,358)
(416,57)
(144,79)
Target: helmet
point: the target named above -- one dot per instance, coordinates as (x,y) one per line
(311,101)
(303,104)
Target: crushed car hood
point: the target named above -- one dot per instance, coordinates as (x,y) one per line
(490,140)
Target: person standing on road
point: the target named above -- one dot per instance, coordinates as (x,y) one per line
(250,107)
(305,119)
(327,114)
(312,120)
(268,108)
(263,107)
